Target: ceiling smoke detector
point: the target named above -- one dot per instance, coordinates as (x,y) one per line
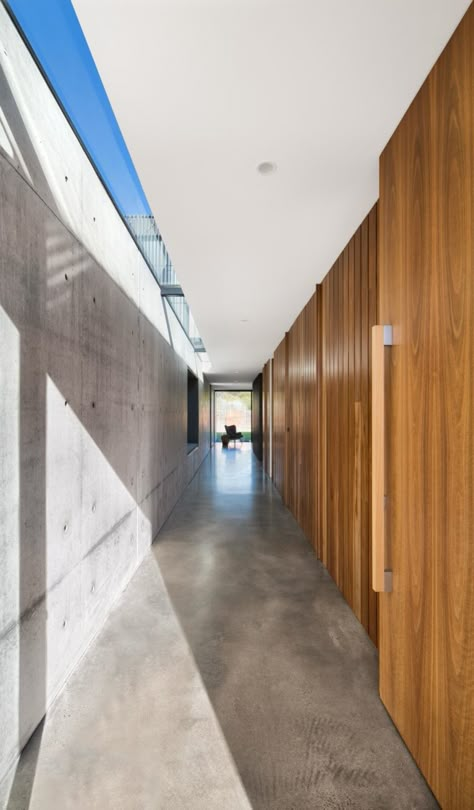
(267,167)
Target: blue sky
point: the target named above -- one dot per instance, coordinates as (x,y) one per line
(53,30)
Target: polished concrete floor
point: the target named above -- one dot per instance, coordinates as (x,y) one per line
(232,674)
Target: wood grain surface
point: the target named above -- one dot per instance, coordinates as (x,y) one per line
(321,412)
(302,420)
(426,283)
(348,311)
(280,417)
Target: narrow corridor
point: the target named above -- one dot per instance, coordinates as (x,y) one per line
(290,674)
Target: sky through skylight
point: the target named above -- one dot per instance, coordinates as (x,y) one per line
(54,33)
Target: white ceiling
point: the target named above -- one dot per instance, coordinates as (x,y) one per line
(204,90)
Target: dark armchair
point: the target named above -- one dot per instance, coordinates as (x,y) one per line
(232,433)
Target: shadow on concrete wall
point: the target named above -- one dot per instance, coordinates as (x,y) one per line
(32,664)
(77,327)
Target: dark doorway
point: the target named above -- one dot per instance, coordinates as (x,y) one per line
(193,411)
(257,417)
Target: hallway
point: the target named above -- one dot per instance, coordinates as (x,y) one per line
(290,673)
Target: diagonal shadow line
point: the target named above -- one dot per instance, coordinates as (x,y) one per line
(25,772)
(32,507)
(191,656)
(32,697)
(25,300)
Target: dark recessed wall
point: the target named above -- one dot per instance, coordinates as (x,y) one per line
(257,417)
(193,408)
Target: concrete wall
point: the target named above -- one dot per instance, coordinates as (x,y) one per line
(92,401)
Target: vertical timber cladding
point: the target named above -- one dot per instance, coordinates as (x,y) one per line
(348,309)
(321,418)
(279,417)
(302,421)
(426,291)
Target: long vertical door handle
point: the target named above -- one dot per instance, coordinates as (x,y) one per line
(381,575)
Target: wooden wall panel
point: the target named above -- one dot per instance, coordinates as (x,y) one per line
(348,310)
(279,417)
(302,421)
(426,278)
(321,412)
(321,440)
(373,314)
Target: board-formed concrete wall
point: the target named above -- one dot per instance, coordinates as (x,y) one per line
(93,397)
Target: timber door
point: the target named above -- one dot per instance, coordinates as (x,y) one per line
(426,292)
